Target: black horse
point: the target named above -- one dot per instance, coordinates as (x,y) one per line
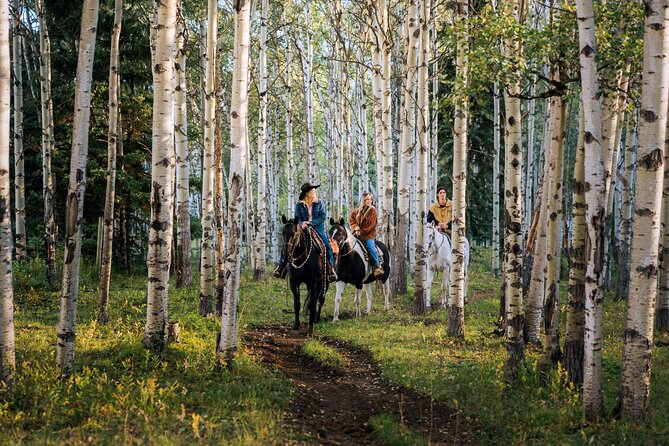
(306,257)
(353,267)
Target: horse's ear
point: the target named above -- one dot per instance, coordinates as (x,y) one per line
(332,222)
(341,221)
(283,219)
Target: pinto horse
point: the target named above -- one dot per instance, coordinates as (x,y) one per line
(306,264)
(354,268)
(438,250)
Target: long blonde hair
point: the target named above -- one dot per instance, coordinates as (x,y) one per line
(361,206)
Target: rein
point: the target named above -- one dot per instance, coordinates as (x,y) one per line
(291,253)
(352,248)
(429,245)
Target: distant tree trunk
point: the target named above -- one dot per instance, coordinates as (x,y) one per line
(411,34)
(497,131)
(456,298)
(386,227)
(513,259)
(638,336)
(361,105)
(434,143)
(377,47)
(207,261)
(627,209)
(574,330)
(7,348)
(595,214)
(552,353)
(290,166)
(19,171)
(184,262)
(420,289)
(530,169)
(220,203)
(307,70)
(112,142)
(162,176)
(263,142)
(47,146)
(75,196)
(227,345)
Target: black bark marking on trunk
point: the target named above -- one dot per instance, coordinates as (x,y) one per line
(652,161)
(71,225)
(68,336)
(589,138)
(647,271)
(588,51)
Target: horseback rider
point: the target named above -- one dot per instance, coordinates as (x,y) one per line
(310,211)
(441,212)
(363,221)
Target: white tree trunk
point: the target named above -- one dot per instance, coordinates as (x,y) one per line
(162,176)
(261,238)
(457,291)
(627,208)
(19,171)
(307,70)
(595,198)
(183,256)
(434,143)
(638,335)
(227,344)
(7,349)
(76,190)
(112,144)
(377,47)
(290,163)
(47,146)
(207,260)
(496,176)
(386,227)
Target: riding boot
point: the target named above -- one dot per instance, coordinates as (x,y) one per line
(280,271)
(332,275)
(378,271)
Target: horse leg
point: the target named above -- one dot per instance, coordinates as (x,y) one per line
(340,290)
(368,292)
(321,301)
(444,287)
(358,292)
(314,295)
(386,295)
(428,285)
(296,306)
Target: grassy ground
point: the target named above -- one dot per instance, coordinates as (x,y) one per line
(123,394)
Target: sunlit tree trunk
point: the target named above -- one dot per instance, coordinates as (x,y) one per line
(183,257)
(77,187)
(220,203)
(456,298)
(574,330)
(47,146)
(496,176)
(290,166)
(434,143)
(513,260)
(638,336)
(227,344)
(207,259)
(536,248)
(361,114)
(7,348)
(112,143)
(307,56)
(19,171)
(162,176)
(411,35)
(261,239)
(387,223)
(420,290)
(595,214)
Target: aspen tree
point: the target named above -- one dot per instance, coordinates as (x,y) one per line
(112,144)
(496,176)
(263,142)
(634,393)
(289,129)
(627,207)
(19,169)
(227,345)
(162,175)
(7,347)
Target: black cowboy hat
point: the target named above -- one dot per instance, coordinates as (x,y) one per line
(306,187)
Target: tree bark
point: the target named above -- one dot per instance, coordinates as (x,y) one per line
(19,169)
(261,238)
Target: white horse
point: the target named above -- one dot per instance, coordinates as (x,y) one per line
(438,251)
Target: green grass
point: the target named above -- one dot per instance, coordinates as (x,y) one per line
(324,355)
(123,394)
(392,433)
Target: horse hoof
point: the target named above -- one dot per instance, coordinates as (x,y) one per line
(310,329)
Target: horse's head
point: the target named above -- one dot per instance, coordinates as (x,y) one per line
(338,231)
(291,230)
(429,235)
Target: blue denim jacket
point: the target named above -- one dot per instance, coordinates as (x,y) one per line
(317,214)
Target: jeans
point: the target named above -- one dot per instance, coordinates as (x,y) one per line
(326,241)
(371,249)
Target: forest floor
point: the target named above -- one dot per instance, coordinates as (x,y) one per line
(334,407)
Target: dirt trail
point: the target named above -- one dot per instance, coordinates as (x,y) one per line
(333,408)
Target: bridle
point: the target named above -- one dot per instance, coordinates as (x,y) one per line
(293,243)
(351,248)
(434,236)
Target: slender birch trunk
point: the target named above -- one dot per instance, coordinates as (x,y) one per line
(377,48)
(112,143)
(307,68)
(662,314)
(261,238)
(220,203)
(628,208)
(420,303)
(434,143)
(638,337)
(77,187)
(457,291)
(7,347)
(289,134)
(595,214)
(496,176)
(574,330)
(528,208)
(513,260)
(388,209)
(411,34)
(19,170)
(227,345)
(162,176)
(207,262)
(184,262)
(47,146)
